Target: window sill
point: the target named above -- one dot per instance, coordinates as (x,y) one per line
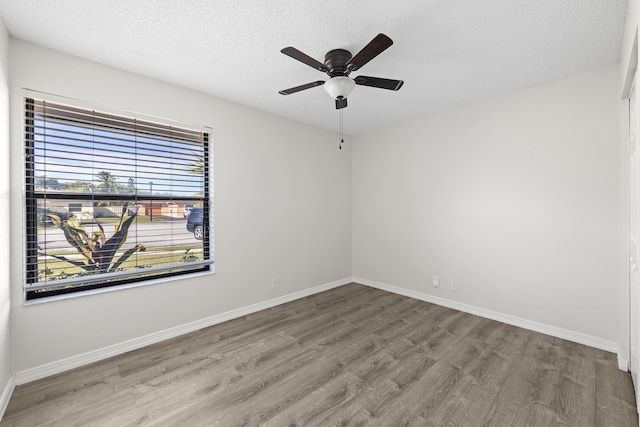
(80,294)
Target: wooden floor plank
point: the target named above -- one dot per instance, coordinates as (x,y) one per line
(353,355)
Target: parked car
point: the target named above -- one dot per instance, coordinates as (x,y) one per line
(194,223)
(187,210)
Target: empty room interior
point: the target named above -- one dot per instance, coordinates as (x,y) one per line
(196,233)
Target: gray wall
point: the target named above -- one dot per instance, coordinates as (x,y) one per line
(282,192)
(516,198)
(5,207)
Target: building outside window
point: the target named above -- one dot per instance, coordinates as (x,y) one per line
(75,208)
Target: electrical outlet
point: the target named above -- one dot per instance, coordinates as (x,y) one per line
(436,282)
(274,283)
(454,285)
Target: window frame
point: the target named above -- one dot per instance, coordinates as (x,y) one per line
(75,208)
(111,281)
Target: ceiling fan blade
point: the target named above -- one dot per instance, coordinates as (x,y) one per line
(370,51)
(379,82)
(341,103)
(304,58)
(301,87)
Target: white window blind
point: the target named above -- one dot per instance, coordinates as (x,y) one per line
(106,196)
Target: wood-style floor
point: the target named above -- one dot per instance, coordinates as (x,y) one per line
(349,356)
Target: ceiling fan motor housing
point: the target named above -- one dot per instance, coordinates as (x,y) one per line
(336,61)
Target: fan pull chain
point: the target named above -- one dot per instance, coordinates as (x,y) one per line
(341,128)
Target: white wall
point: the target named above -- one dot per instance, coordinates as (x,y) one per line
(628,64)
(6,373)
(626,51)
(282,196)
(516,198)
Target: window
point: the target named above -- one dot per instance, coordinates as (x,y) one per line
(108,198)
(75,207)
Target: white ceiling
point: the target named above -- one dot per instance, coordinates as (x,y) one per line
(447,52)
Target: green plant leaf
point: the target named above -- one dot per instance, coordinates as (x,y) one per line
(139,247)
(103,239)
(76,236)
(116,241)
(124,210)
(86,267)
(97,249)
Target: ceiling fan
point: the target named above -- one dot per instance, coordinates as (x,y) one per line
(338,64)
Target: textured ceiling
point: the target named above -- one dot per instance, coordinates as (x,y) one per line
(447,52)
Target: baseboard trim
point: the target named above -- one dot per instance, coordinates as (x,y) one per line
(623,363)
(56,367)
(6,395)
(28,375)
(500,317)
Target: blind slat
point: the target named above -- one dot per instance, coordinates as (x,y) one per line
(60,113)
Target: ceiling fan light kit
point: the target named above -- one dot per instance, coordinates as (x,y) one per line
(339,86)
(338,64)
